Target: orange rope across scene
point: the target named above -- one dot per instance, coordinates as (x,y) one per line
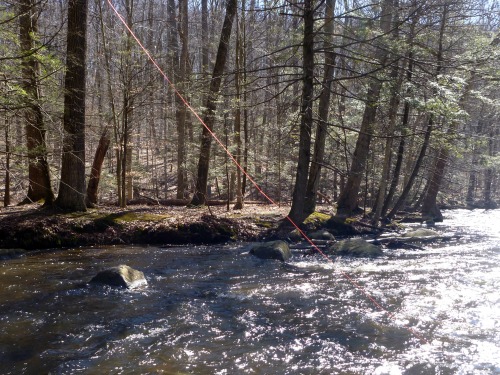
(254,183)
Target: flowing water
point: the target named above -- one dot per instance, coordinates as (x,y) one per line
(217,310)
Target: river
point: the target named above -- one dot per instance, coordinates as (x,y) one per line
(217,310)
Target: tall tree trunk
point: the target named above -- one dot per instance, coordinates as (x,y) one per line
(6,197)
(38,168)
(430,211)
(418,163)
(199,197)
(111,100)
(297,212)
(488,173)
(348,200)
(402,142)
(95,172)
(324,106)
(204,35)
(72,184)
(179,65)
(430,125)
(237,115)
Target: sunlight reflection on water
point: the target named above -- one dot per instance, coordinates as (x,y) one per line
(214,310)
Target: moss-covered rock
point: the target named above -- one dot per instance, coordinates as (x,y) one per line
(339,227)
(271,250)
(316,220)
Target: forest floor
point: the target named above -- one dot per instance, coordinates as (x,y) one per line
(32,227)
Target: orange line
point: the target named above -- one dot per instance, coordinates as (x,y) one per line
(186,103)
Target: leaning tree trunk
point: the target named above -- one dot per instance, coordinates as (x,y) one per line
(38,168)
(430,126)
(418,163)
(402,143)
(199,197)
(95,172)
(72,184)
(348,200)
(430,210)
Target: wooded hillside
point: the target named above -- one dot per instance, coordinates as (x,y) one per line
(378,106)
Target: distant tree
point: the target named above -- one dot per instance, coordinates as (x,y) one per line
(200,195)
(348,200)
(38,168)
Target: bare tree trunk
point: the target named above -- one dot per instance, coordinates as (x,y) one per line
(179,68)
(418,163)
(6,197)
(348,200)
(199,197)
(401,146)
(430,210)
(237,115)
(324,105)
(72,184)
(95,172)
(488,173)
(430,125)
(297,213)
(38,167)
(111,99)
(204,35)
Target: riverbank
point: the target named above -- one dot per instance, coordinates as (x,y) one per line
(32,227)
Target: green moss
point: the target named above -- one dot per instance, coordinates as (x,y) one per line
(133,216)
(317,218)
(263,223)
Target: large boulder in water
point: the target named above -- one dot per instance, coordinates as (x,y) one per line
(356,247)
(272,250)
(120,276)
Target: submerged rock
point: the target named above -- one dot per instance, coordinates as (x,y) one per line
(421,232)
(356,247)
(11,253)
(321,235)
(120,276)
(272,250)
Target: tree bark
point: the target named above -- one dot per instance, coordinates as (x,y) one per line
(38,167)
(72,184)
(95,172)
(402,144)
(297,212)
(199,197)
(323,110)
(6,197)
(430,125)
(237,116)
(418,163)
(348,200)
